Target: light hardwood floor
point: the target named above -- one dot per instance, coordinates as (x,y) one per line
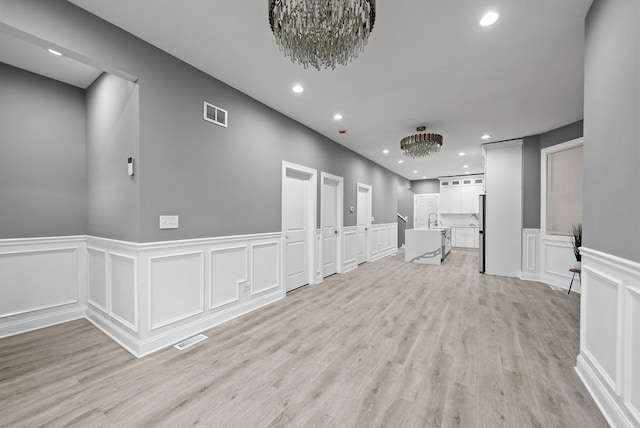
(390,344)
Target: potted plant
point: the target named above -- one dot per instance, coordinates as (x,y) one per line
(576,241)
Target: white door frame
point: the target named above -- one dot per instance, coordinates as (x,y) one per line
(311,220)
(415,207)
(368,221)
(339,216)
(559,246)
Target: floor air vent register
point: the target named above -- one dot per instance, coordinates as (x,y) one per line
(189,342)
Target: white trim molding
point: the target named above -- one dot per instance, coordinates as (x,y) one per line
(555,251)
(610,335)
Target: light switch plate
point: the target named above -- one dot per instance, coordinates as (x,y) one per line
(168,222)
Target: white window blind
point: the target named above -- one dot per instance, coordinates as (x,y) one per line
(564,190)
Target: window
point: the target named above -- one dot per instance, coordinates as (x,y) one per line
(564,190)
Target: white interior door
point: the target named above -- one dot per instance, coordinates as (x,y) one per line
(331,222)
(298,221)
(363,222)
(425,204)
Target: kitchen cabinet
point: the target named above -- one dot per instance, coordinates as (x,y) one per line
(464,237)
(459,195)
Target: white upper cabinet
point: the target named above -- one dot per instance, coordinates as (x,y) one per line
(459,195)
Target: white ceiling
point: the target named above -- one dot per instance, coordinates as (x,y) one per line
(427,63)
(32,55)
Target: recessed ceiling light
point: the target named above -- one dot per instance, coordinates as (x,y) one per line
(337,116)
(385,151)
(400,161)
(468,172)
(489,18)
(465,166)
(297,89)
(424,177)
(415,172)
(486,136)
(54,52)
(461,154)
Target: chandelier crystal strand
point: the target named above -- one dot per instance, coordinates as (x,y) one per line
(421,145)
(321,33)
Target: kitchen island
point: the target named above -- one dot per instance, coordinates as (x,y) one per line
(427,246)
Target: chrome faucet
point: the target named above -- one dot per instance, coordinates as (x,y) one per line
(429,219)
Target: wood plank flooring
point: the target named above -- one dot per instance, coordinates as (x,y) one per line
(390,345)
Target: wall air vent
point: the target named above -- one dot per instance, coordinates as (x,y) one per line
(190,342)
(215,114)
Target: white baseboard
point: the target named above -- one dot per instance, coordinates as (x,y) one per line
(40,320)
(142,348)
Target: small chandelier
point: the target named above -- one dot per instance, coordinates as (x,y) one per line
(321,33)
(421,145)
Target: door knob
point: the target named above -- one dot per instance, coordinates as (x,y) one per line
(335,232)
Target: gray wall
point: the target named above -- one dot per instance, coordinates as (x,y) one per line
(405,208)
(612,131)
(425,186)
(531,168)
(43,189)
(112,108)
(220,181)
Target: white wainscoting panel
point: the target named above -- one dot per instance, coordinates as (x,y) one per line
(177,287)
(123,289)
(185,287)
(632,352)
(350,246)
(265,272)
(610,335)
(38,279)
(97,278)
(530,254)
(601,332)
(556,258)
(384,240)
(228,272)
(42,282)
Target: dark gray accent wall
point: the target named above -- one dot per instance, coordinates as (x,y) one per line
(532,146)
(405,208)
(425,186)
(220,181)
(560,135)
(112,109)
(531,182)
(43,189)
(612,131)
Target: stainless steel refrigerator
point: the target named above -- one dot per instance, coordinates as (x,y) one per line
(481,231)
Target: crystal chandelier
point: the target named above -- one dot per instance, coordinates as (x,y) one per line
(421,145)
(321,33)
